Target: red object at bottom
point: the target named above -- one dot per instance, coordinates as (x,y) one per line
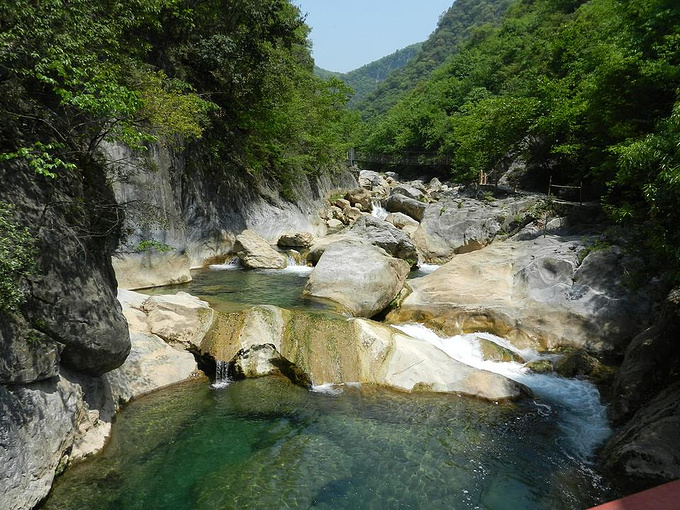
(663,497)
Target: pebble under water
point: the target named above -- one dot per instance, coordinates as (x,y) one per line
(267,444)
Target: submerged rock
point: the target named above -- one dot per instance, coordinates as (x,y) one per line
(362,278)
(255,252)
(541,366)
(491,351)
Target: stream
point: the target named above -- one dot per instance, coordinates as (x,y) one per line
(266,444)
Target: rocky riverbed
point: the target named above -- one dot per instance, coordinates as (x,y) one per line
(518,266)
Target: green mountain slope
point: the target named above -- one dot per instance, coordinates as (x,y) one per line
(455,27)
(366,79)
(582,91)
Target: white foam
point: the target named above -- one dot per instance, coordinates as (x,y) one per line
(428,268)
(378,211)
(327,388)
(232,265)
(581,415)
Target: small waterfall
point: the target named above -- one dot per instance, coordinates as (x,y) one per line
(378,210)
(221,374)
(230,265)
(297,263)
(580,414)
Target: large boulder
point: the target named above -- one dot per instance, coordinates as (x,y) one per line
(255,252)
(460,225)
(647,447)
(71,298)
(386,236)
(650,362)
(362,278)
(369,179)
(152,364)
(406,205)
(296,240)
(409,191)
(181,319)
(325,348)
(534,292)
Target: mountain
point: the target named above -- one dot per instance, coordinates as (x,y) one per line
(365,80)
(454,28)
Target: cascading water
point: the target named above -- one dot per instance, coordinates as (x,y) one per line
(576,403)
(378,210)
(230,265)
(297,263)
(221,374)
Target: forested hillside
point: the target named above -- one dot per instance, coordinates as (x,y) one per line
(235,92)
(454,28)
(137,71)
(579,90)
(366,79)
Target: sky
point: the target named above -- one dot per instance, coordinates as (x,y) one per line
(347,34)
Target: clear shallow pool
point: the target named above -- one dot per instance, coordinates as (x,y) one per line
(228,288)
(265,444)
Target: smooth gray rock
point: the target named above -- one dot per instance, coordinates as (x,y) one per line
(362,278)
(408,191)
(386,236)
(647,447)
(401,220)
(461,225)
(255,252)
(37,426)
(72,297)
(369,179)
(408,206)
(535,293)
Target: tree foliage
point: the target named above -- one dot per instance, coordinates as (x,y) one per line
(586,89)
(17,251)
(231,72)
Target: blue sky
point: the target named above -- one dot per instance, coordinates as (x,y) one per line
(347,34)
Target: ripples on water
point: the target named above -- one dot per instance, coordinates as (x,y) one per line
(266,444)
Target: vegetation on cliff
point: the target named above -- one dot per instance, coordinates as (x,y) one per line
(137,71)
(366,79)
(581,90)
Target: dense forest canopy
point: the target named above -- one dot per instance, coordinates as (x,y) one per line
(583,90)
(236,72)
(454,28)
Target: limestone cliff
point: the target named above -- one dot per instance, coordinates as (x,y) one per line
(194,209)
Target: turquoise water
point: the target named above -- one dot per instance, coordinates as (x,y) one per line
(228,289)
(265,444)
